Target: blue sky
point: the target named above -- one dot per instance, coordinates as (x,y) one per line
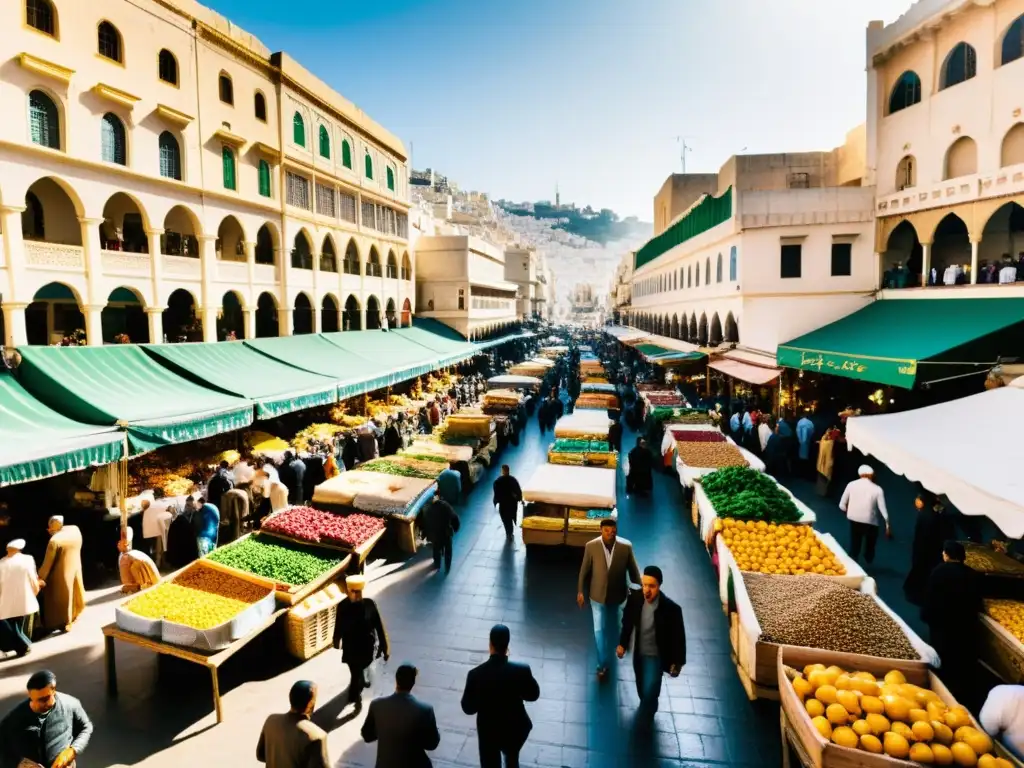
(512,97)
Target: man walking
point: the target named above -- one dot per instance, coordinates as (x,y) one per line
(441,526)
(507,495)
(495,692)
(359,632)
(404,728)
(864,504)
(653,626)
(292,740)
(48,728)
(19,586)
(64,595)
(609,566)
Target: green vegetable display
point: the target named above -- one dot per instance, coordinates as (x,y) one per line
(747,494)
(424,457)
(576,445)
(283,562)
(395,468)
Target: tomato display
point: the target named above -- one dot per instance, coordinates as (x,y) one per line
(320,527)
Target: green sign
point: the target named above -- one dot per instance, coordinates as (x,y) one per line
(894,372)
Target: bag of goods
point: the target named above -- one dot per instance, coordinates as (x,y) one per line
(790,550)
(543,523)
(291,565)
(317,526)
(710,455)
(747,494)
(815,612)
(887,715)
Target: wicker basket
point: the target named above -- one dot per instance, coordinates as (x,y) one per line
(309,627)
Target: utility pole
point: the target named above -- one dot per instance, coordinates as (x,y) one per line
(683,149)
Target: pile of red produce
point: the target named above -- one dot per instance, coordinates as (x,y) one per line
(698,436)
(319,527)
(664,398)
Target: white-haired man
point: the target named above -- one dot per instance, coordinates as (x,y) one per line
(138,571)
(64,595)
(864,504)
(19,586)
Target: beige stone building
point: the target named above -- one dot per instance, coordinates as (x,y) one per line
(164,174)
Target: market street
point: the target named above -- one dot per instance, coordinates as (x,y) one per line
(441,623)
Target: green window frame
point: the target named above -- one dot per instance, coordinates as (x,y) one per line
(228,163)
(346,154)
(368,162)
(264,178)
(325,143)
(391,179)
(299,130)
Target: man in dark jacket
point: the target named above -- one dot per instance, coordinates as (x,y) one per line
(639,480)
(359,632)
(441,524)
(495,692)
(48,728)
(404,728)
(507,495)
(653,625)
(220,483)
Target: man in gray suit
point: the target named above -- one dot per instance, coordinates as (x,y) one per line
(291,740)
(607,562)
(404,728)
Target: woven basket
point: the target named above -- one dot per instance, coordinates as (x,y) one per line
(309,627)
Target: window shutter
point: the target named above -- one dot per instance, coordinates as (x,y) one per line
(229,168)
(264,178)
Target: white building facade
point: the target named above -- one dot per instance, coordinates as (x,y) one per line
(165,175)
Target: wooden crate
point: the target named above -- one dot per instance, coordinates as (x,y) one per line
(1000,651)
(307,633)
(544,538)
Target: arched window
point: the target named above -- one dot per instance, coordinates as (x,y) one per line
(33,222)
(1013,42)
(39,15)
(718,269)
(325,143)
(697,271)
(961,64)
(906,92)
(391,179)
(368,162)
(228,165)
(689,276)
(43,119)
(298,130)
(346,154)
(264,178)
(109,41)
(260,106)
(112,140)
(906,173)
(168,67)
(733,257)
(961,158)
(707,271)
(226,89)
(170,156)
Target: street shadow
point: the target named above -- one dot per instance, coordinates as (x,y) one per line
(328,716)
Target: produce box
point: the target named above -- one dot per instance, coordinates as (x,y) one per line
(745,494)
(1001,648)
(327,529)
(845,734)
(885,634)
(468,425)
(710,455)
(309,627)
(403,466)
(204,606)
(689,475)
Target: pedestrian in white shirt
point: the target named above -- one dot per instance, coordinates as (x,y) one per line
(19,585)
(1003,717)
(864,505)
(243,473)
(156,521)
(764,432)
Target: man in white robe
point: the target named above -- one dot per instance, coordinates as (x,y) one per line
(19,585)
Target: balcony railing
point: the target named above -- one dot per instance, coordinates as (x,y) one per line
(124,263)
(233,272)
(265,274)
(182,266)
(43,255)
(951,192)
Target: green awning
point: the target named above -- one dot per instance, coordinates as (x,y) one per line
(38,442)
(120,385)
(482,345)
(439,338)
(395,356)
(903,342)
(275,387)
(312,352)
(652,350)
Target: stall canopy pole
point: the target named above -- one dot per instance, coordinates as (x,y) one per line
(121,473)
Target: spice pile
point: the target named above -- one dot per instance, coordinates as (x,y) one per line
(749,495)
(201,598)
(710,455)
(279,560)
(698,436)
(786,550)
(319,527)
(819,613)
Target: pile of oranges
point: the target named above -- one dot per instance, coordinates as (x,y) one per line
(790,550)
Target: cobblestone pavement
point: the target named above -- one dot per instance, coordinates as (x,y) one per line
(163,716)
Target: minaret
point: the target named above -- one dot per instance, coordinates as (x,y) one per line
(558,197)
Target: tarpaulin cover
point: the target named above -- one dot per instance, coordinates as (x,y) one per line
(752,374)
(121,385)
(38,442)
(275,387)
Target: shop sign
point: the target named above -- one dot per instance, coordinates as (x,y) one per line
(900,373)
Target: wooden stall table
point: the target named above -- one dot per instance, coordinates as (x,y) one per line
(212,661)
(360,553)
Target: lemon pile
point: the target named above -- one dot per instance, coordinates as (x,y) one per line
(790,550)
(1010,614)
(892,717)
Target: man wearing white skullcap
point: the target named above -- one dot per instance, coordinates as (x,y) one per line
(19,586)
(138,571)
(64,595)
(864,505)
(359,632)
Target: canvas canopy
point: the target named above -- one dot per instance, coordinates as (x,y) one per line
(584,487)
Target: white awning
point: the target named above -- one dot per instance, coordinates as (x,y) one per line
(967,449)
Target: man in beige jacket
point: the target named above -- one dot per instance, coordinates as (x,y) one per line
(607,562)
(292,740)
(64,593)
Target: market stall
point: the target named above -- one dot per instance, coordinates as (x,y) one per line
(582,453)
(527,383)
(584,424)
(696,459)
(351,533)
(565,504)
